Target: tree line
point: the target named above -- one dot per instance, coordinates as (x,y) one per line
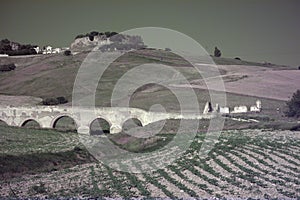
(13,48)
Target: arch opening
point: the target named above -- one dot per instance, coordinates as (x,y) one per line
(131,123)
(3,123)
(99,126)
(30,123)
(65,123)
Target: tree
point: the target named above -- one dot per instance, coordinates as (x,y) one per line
(294,105)
(5,41)
(91,37)
(62,100)
(54,101)
(50,101)
(94,33)
(217,52)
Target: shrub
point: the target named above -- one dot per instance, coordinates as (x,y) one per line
(91,37)
(5,41)
(80,36)
(295,127)
(294,105)
(217,52)
(54,101)
(8,67)
(50,102)
(62,100)
(110,34)
(67,53)
(94,33)
(38,189)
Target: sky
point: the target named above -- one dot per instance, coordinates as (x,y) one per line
(255,30)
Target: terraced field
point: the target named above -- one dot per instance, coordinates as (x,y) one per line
(243,164)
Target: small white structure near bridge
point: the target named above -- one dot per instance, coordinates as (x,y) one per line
(237,109)
(224,110)
(257,107)
(240,109)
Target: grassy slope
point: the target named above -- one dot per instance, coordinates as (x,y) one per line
(40,151)
(231,61)
(54,75)
(31,151)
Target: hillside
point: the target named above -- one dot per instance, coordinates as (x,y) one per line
(53,75)
(250,159)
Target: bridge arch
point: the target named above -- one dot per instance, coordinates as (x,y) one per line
(130,123)
(69,119)
(3,123)
(99,126)
(30,123)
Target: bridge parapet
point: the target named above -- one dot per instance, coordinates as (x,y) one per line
(47,116)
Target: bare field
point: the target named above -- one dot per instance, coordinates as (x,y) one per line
(256,81)
(243,164)
(7,100)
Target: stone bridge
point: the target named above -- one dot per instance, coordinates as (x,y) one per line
(47,116)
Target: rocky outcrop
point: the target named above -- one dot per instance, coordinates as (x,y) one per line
(86,44)
(108,41)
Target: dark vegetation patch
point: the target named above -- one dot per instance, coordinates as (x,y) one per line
(14,165)
(141,145)
(14,49)
(7,67)
(294,105)
(92,34)
(54,101)
(38,189)
(67,53)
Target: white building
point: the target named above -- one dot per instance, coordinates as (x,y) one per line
(207,108)
(257,107)
(240,109)
(224,110)
(56,50)
(51,50)
(47,50)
